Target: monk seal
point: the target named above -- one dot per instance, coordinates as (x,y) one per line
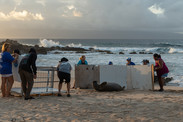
(107,86)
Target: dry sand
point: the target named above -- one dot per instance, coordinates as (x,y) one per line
(89,105)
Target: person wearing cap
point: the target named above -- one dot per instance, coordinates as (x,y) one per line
(145,62)
(64,74)
(28,72)
(129,62)
(110,63)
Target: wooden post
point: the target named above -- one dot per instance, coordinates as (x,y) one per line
(152,70)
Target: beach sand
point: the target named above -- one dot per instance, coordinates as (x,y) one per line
(89,105)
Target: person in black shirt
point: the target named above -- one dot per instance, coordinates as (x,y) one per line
(28,72)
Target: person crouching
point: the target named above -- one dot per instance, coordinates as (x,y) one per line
(63,71)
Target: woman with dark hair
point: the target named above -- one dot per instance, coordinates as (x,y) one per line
(15,65)
(6,61)
(161,69)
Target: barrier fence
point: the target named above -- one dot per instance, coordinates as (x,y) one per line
(46,82)
(132,77)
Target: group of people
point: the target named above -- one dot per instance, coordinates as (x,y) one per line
(23,69)
(25,66)
(129,62)
(27,70)
(160,68)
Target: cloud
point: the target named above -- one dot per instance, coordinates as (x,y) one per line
(71,11)
(95,15)
(24,15)
(155,9)
(70,7)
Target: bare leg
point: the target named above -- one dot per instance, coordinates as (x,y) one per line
(68,88)
(59,88)
(74,85)
(161,82)
(3,85)
(10,84)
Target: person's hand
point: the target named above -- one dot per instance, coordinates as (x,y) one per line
(34,76)
(155,68)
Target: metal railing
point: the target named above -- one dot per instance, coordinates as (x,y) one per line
(46,81)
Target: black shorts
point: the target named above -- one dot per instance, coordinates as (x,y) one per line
(64,76)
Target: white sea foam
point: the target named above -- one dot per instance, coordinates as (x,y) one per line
(175,50)
(166,50)
(75,45)
(49,43)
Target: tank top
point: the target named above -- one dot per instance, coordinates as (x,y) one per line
(163,70)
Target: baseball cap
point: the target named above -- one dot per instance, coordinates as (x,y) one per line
(128,59)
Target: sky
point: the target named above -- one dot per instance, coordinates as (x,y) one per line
(92,19)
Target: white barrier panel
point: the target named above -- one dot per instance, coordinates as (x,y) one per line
(132,77)
(85,75)
(113,73)
(140,77)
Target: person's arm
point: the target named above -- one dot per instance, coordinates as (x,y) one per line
(33,58)
(160,65)
(58,68)
(79,62)
(15,58)
(9,58)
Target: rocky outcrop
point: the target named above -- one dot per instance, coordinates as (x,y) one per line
(45,50)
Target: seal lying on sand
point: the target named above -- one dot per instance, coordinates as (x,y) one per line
(107,86)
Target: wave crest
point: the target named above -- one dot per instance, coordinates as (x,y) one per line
(49,43)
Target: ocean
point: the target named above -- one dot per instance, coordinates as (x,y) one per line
(170,50)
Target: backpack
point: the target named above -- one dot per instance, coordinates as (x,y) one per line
(24,60)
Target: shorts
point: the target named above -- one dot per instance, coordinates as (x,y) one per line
(164,75)
(6,75)
(64,76)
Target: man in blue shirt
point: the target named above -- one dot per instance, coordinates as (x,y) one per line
(129,62)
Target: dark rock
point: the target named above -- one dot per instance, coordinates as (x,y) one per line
(109,52)
(80,52)
(121,53)
(133,52)
(150,53)
(57,52)
(91,49)
(142,53)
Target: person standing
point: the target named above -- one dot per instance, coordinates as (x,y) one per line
(161,69)
(6,61)
(64,73)
(15,66)
(28,72)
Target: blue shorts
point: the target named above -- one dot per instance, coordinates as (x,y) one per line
(164,75)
